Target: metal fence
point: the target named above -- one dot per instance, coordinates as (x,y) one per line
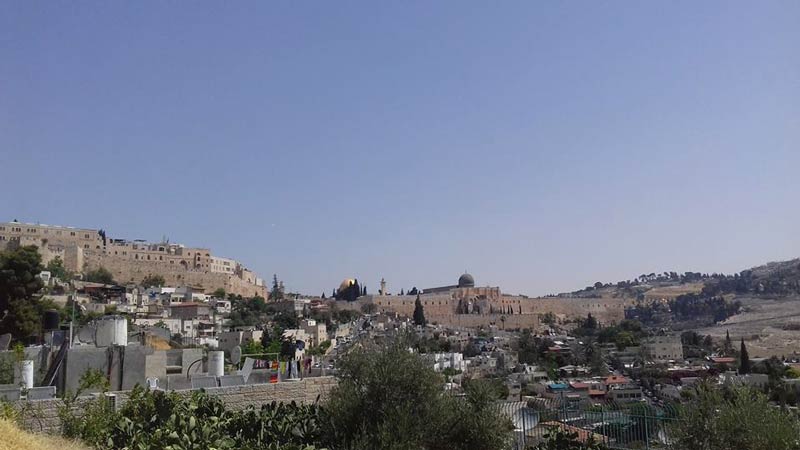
(618,426)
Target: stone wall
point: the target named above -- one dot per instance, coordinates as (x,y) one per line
(42,415)
(524,312)
(125,271)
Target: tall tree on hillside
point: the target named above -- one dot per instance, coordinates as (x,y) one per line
(20,310)
(419,313)
(590,323)
(727,348)
(276,293)
(744,360)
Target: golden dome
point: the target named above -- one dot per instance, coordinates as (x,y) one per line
(346,284)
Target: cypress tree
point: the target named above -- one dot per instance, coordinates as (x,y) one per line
(744,360)
(419,313)
(727,348)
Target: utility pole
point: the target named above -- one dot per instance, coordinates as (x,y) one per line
(72,321)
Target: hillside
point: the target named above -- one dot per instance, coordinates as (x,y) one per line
(760,305)
(771,279)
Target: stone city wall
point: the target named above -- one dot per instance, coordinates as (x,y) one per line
(42,415)
(525,312)
(125,271)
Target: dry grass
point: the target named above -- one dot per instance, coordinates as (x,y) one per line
(13,438)
(670,292)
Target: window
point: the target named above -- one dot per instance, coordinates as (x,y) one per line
(72,233)
(86,246)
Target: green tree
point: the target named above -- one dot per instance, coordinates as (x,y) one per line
(419,313)
(276,293)
(625,339)
(252,347)
(18,274)
(369,308)
(100,275)
(153,281)
(727,348)
(590,323)
(388,398)
(596,361)
(219,293)
(741,418)
(744,360)
(57,269)
(20,311)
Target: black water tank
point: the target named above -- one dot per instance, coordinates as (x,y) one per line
(51,320)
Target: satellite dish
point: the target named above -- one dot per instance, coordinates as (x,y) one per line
(236,354)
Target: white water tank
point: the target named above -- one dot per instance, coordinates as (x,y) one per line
(26,368)
(111,330)
(216,364)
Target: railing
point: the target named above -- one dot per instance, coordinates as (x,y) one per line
(618,426)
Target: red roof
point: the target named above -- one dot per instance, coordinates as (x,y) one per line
(596,393)
(614,379)
(556,349)
(579,385)
(723,360)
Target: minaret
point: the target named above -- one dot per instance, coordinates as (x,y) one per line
(383,286)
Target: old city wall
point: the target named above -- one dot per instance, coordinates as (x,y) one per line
(524,311)
(125,270)
(501,321)
(42,415)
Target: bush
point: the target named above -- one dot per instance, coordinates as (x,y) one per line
(387,398)
(159,420)
(739,417)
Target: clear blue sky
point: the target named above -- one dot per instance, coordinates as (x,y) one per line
(542,146)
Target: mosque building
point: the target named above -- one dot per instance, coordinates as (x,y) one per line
(465,304)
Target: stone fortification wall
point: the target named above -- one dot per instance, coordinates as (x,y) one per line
(125,271)
(501,321)
(42,415)
(520,312)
